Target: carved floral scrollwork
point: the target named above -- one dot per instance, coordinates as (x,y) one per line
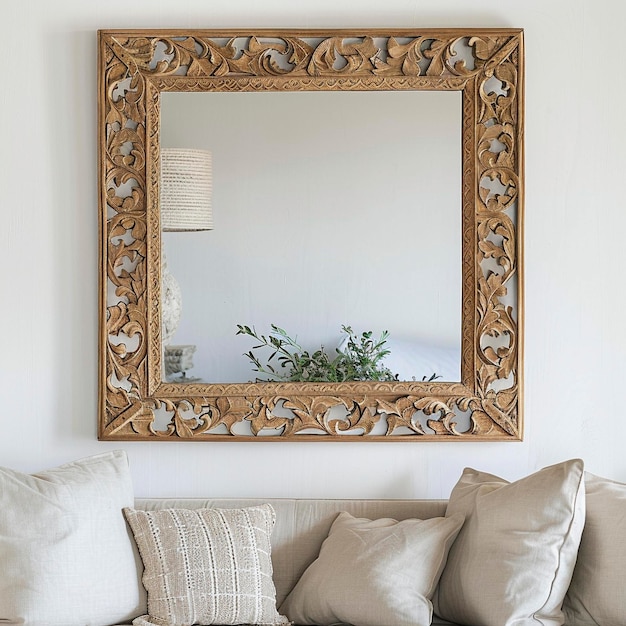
(486,66)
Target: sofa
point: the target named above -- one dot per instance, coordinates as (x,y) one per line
(78,548)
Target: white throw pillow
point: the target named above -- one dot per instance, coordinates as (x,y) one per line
(207,566)
(596,596)
(373,572)
(66,556)
(512,562)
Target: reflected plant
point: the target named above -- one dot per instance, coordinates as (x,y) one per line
(360,360)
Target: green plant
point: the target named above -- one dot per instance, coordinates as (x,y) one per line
(360,360)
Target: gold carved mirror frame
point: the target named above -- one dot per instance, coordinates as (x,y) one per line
(135,67)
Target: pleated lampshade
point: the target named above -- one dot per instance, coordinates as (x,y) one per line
(186,189)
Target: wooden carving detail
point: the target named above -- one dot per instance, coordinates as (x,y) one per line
(135,67)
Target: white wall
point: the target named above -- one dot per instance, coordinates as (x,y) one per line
(575,349)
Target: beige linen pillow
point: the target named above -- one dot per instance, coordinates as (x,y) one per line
(373,572)
(512,562)
(596,596)
(66,556)
(207,566)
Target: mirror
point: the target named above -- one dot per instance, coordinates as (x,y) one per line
(371,179)
(339,221)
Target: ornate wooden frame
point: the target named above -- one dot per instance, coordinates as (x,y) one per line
(131,79)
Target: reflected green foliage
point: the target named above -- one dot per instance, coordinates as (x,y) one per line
(361,359)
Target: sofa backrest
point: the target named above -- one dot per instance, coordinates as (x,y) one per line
(302,525)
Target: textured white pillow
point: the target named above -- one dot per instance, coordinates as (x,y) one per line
(66,556)
(512,562)
(207,566)
(373,572)
(596,596)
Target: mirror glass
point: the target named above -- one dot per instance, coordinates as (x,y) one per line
(329,209)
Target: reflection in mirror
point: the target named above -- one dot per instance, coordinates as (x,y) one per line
(185,205)
(329,209)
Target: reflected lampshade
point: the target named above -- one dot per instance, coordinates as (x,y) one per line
(186,189)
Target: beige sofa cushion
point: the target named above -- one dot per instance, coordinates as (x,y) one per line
(597,595)
(373,572)
(66,556)
(303,524)
(207,566)
(512,562)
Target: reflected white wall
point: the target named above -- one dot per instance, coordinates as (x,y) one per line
(329,209)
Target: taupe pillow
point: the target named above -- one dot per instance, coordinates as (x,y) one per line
(206,566)
(512,562)
(597,596)
(373,572)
